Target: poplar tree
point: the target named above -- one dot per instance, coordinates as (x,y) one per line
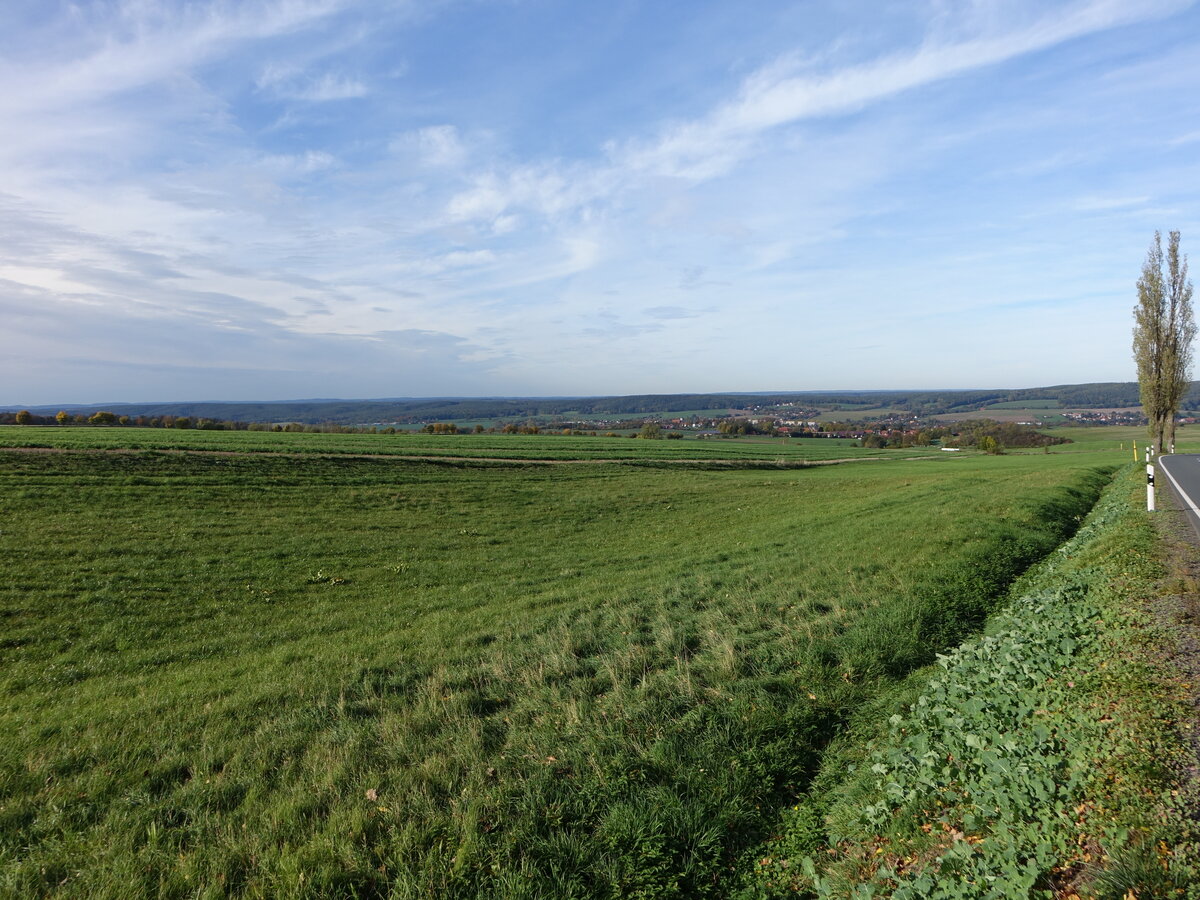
(1163,332)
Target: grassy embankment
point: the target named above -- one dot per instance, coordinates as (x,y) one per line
(1040,759)
(277,676)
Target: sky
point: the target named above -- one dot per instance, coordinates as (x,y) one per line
(282,199)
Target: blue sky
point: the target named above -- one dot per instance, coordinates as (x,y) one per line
(276,199)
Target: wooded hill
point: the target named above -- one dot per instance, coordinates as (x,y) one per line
(419,410)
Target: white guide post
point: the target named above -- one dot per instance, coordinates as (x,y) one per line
(1149,482)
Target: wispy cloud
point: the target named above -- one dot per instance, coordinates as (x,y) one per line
(777,95)
(436,145)
(299,164)
(550,189)
(146,43)
(671,312)
(1105,204)
(291,84)
(780,93)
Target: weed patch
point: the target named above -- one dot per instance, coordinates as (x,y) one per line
(1031,762)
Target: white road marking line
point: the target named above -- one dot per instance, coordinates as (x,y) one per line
(1191,504)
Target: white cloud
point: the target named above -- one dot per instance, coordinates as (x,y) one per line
(504,224)
(1190,137)
(465,258)
(1103,204)
(485,200)
(275,75)
(671,312)
(775,95)
(328,87)
(440,145)
(290,81)
(150,44)
(582,252)
(550,189)
(299,164)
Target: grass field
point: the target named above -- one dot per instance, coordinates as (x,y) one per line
(1021,404)
(1092,438)
(271,675)
(463,446)
(1045,416)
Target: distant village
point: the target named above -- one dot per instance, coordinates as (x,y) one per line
(871,427)
(816,423)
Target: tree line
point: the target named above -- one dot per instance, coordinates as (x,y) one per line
(419,412)
(109,419)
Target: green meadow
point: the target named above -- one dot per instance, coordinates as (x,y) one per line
(548,447)
(324,672)
(1120,439)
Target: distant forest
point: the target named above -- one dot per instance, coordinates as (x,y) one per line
(416,411)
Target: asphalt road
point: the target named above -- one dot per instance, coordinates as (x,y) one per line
(1181,475)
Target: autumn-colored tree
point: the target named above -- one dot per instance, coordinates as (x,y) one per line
(24,417)
(651,431)
(62,417)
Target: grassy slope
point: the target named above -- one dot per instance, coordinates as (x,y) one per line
(319,677)
(1041,757)
(1089,439)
